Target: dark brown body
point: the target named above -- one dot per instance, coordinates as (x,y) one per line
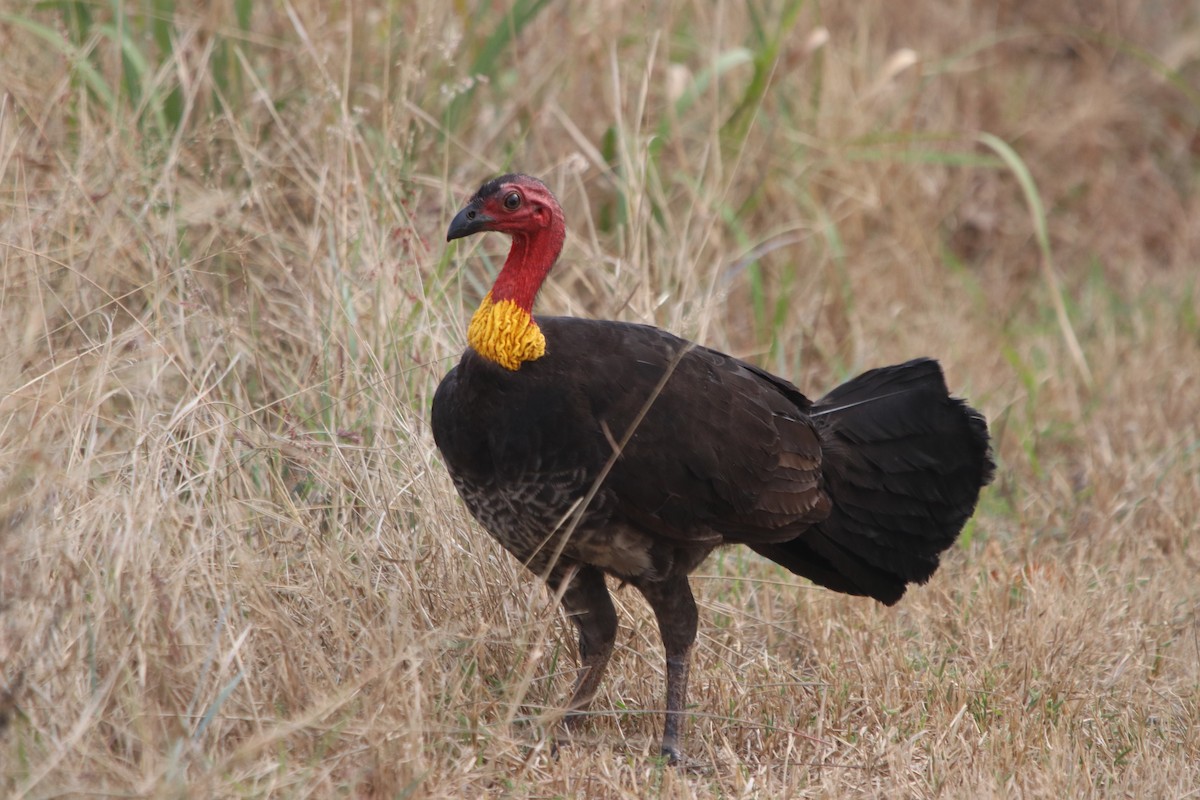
(628,451)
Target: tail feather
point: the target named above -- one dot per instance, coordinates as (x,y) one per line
(904,464)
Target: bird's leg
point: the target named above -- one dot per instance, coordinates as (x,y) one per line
(675,609)
(589,605)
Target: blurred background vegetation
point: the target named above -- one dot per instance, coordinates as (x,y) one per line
(226,302)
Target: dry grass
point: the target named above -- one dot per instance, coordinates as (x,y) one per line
(232,565)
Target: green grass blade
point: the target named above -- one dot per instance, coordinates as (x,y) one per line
(1037,213)
(725,62)
(88,74)
(738,125)
(487,60)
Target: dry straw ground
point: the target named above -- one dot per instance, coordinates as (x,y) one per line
(231,563)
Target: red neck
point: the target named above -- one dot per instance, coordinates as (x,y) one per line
(529,261)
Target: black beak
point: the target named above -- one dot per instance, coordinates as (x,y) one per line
(466,222)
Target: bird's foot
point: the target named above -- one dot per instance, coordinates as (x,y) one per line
(670,751)
(564,736)
(676,760)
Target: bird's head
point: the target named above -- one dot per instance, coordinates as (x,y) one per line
(503,328)
(519,205)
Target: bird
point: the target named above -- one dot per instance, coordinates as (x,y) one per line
(596,450)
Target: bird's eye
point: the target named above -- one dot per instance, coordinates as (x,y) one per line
(512,201)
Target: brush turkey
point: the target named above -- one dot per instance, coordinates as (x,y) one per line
(590,448)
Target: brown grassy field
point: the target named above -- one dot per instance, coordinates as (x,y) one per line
(232,564)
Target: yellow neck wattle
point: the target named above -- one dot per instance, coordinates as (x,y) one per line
(505,333)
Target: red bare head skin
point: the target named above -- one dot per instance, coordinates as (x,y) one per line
(526,210)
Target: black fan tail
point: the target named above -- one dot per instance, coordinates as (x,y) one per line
(904,465)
